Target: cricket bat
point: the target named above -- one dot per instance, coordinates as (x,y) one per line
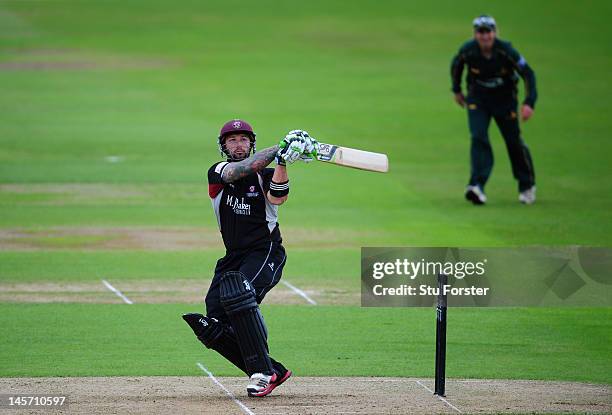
(350,157)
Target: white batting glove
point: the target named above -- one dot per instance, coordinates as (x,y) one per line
(290,148)
(311,148)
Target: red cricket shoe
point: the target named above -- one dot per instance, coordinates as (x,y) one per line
(261,385)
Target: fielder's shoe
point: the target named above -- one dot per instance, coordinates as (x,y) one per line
(261,385)
(528,197)
(475,195)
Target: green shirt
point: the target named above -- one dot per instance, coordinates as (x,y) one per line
(495,74)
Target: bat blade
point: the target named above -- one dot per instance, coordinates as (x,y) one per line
(350,157)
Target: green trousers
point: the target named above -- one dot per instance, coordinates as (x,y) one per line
(504,110)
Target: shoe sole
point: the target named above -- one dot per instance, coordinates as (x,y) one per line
(270,388)
(473,197)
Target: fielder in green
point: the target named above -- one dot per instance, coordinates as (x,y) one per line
(493,69)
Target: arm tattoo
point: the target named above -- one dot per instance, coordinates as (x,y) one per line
(253,164)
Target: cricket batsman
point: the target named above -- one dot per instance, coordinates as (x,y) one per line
(245,197)
(492,68)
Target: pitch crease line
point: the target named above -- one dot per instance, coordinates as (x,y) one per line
(242,406)
(116,291)
(299,292)
(439,397)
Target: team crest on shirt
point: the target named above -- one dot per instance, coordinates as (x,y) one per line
(252,192)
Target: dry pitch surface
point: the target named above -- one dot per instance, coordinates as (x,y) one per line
(309,395)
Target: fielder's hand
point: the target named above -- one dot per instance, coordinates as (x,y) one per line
(460,99)
(290,148)
(526,112)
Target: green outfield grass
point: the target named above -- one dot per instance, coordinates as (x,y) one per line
(92,266)
(375,76)
(99,340)
(151,83)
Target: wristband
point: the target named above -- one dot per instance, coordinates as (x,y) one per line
(279,189)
